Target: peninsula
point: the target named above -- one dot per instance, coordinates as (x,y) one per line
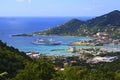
(106,23)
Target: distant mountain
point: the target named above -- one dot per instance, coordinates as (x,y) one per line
(108,22)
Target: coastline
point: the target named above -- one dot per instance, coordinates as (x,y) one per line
(68,36)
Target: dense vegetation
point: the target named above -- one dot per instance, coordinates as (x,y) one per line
(37,70)
(107,23)
(11,60)
(15,65)
(43,70)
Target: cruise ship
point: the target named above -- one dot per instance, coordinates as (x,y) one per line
(46,42)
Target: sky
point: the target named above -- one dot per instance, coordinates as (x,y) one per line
(57,8)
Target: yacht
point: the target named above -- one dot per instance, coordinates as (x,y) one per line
(46,42)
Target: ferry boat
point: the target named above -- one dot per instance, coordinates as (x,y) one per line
(46,42)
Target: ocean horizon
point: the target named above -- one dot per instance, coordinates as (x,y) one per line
(10,26)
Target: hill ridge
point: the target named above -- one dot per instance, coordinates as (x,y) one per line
(87,28)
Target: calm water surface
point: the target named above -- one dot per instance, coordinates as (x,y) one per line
(9,26)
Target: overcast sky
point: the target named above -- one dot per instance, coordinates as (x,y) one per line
(55,8)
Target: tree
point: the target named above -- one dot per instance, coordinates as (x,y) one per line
(11,60)
(117,75)
(37,70)
(72,73)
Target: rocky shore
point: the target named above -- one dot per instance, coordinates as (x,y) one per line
(81,44)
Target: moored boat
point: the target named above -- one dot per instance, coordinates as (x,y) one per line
(46,42)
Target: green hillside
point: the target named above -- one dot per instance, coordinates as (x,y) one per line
(110,19)
(11,60)
(107,23)
(64,29)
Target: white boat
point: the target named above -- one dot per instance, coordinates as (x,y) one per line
(46,42)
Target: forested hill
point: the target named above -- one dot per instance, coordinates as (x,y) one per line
(107,22)
(110,19)
(11,60)
(66,28)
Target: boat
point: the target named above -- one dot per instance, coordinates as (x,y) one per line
(46,42)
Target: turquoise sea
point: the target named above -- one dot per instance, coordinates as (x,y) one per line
(10,26)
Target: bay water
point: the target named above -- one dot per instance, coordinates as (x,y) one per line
(18,25)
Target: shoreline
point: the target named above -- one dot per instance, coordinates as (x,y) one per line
(68,36)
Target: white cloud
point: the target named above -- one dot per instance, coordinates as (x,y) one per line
(24,1)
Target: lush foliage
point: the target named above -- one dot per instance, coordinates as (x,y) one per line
(100,71)
(36,70)
(43,70)
(11,60)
